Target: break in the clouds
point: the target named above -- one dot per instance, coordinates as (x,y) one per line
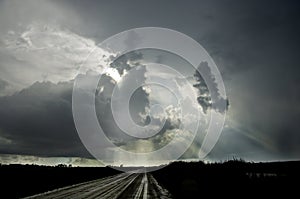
(255,44)
(50,161)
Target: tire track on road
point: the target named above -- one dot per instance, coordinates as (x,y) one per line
(121,186)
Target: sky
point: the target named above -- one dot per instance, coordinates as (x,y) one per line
(255,45)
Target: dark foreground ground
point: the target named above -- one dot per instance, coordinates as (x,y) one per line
(182,180)
(232,179)
(25,180)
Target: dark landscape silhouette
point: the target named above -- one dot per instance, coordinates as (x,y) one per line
(181,179)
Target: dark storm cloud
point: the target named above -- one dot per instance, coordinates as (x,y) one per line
(255,44)
(38,121)
(208,98)
(139,101)
(3,85)
(127,61)
(258,57)
(132,40)
(137,104)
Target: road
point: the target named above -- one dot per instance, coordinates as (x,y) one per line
(121,186)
